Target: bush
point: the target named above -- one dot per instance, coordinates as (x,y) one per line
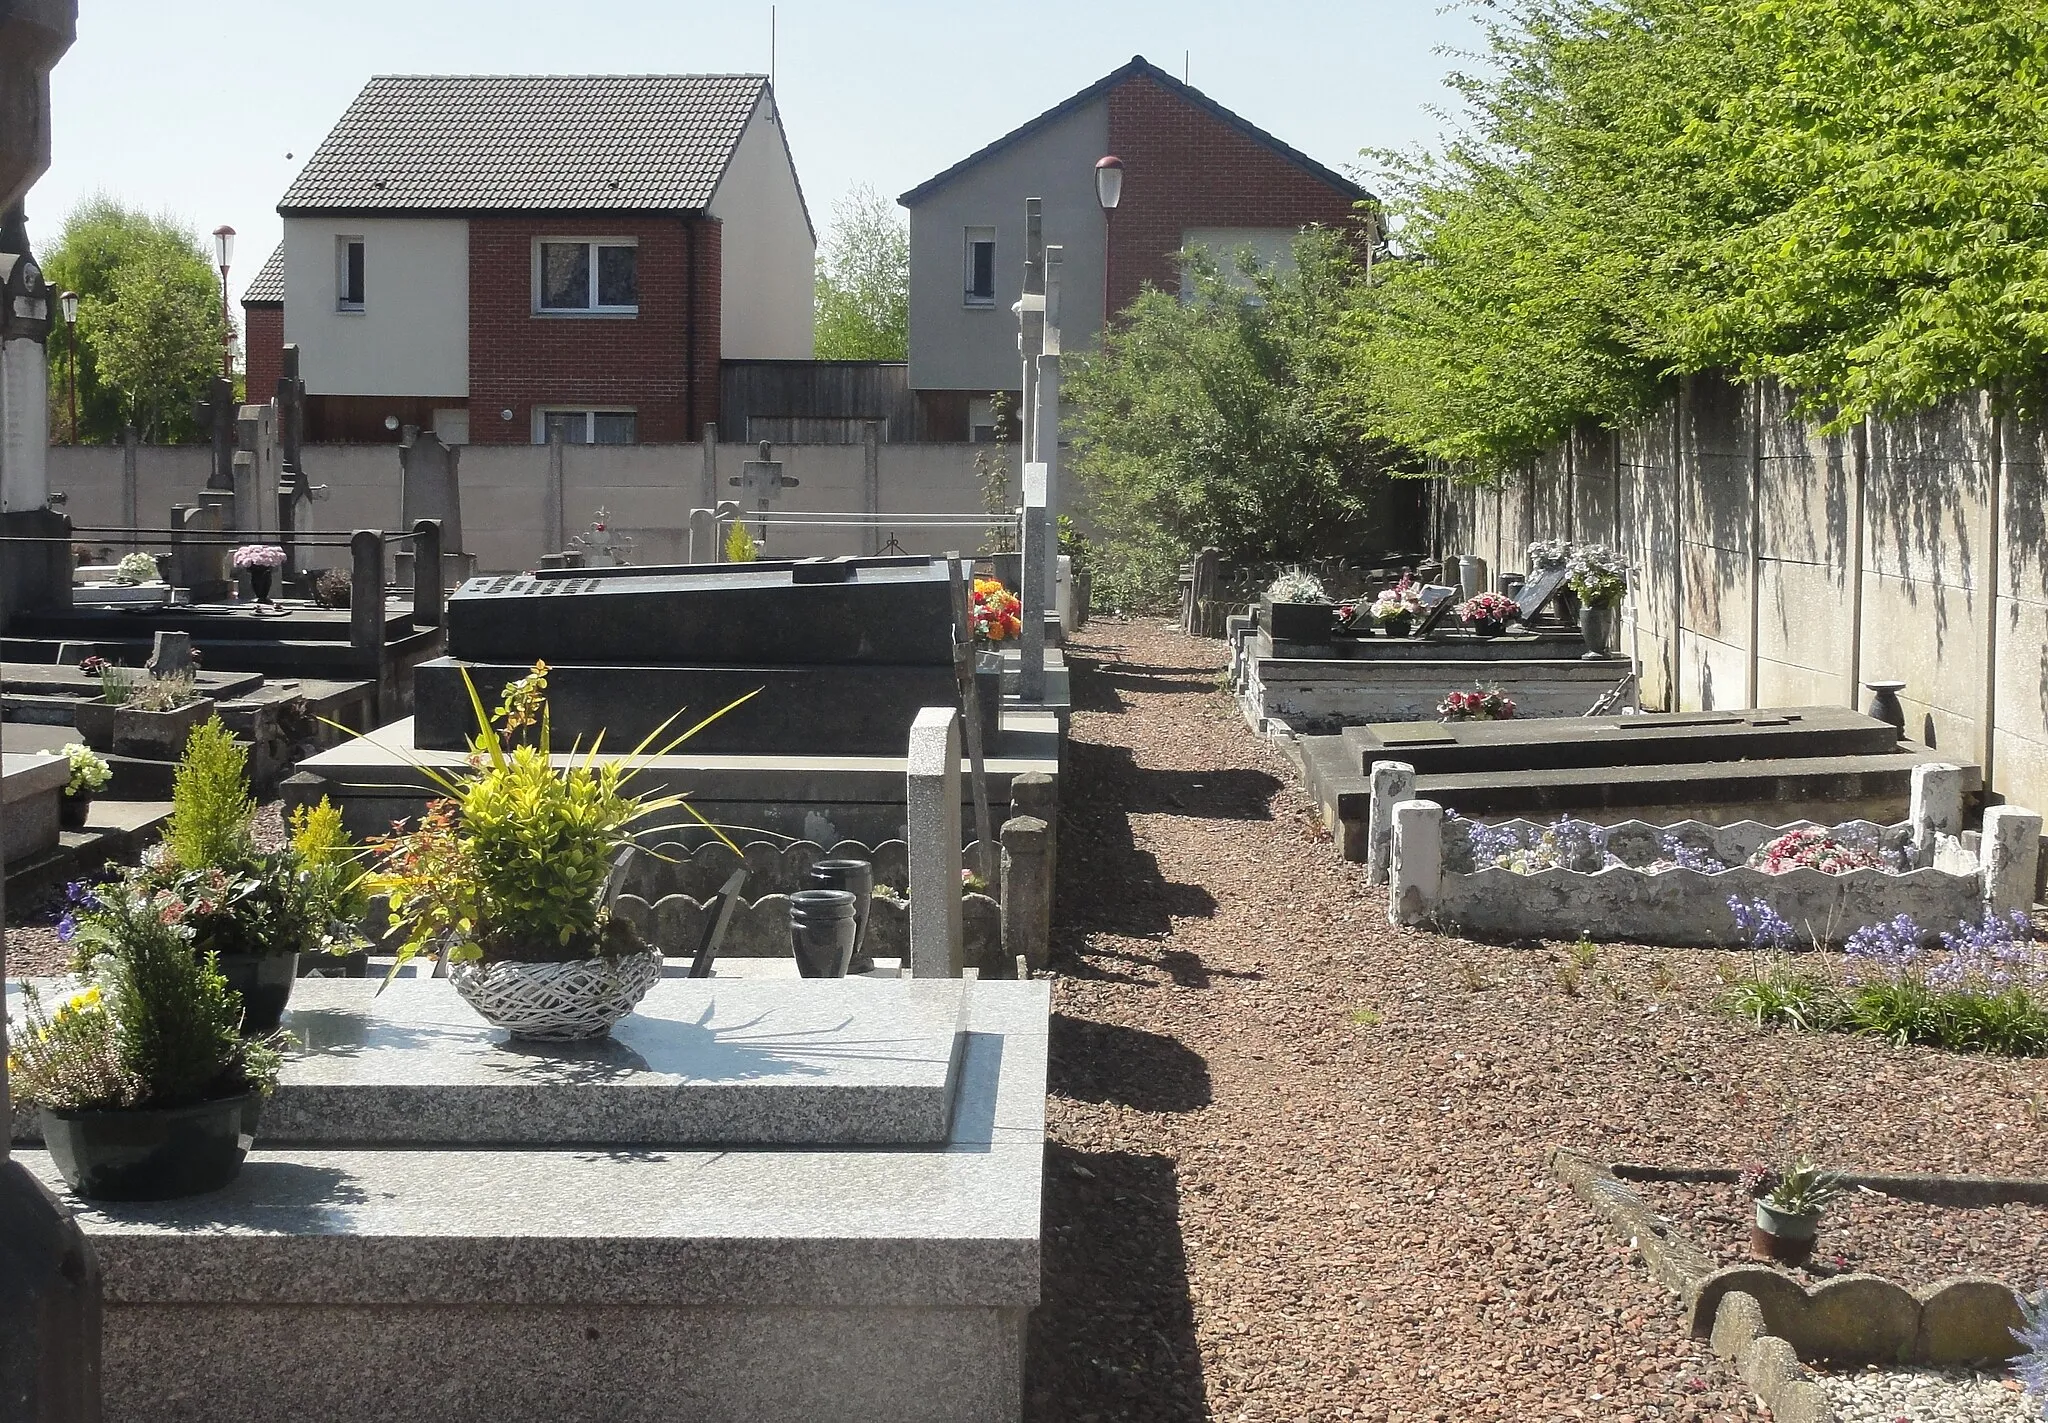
(211,809)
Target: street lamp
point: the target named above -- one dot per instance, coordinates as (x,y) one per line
(224,253)
(1109,191)
(69,302)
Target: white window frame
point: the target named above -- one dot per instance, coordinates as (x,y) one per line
(974,238)
(576,312)
(589,414)
(342,243)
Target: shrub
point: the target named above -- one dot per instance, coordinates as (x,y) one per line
(211,809)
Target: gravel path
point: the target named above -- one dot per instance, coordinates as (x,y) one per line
(1876,1395)
(1906,1241)
(1296,1157)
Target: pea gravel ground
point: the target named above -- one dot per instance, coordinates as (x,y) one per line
(1296,1157)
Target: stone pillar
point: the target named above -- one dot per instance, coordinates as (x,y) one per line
(1037,794)
(1936,807)
(1031,326)
(366,591)
(1027,891)
(1031,588)
(1392,783)
(704,536)
(932,803)
(1417,870)
(256,440)
(707,494)
(2011,856)
(131,484)
(24,424)
(1047,419)
(428,595)
(553,536)
(871,484)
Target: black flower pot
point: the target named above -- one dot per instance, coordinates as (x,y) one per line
(152,1153)
(1489,627)
(1399,627)
(857,878)
(821,931)
(259,582)
(73,809)
(354,964)
(1298,622)
(264,982)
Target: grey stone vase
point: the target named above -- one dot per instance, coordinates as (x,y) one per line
(821,932)
(857,878)
(1597,625)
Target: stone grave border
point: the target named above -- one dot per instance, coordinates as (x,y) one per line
(1764,1323)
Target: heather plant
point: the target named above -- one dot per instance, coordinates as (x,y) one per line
(1565,844)
(1680,856)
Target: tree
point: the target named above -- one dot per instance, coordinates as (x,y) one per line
(149,323)
(1222,421)
(863,289)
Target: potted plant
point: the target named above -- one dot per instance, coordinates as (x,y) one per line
(260,562)
(144,1088)
(509,873)
(141,715)
(1599,578)
(332,886)
(1482,704)
(1789,1203)
(1296,609)
(89,774)
(1396,609)
(1488,614)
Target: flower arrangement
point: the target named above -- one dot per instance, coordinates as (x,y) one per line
(1296,585)
(137,568)
(93,666)
(1813,848)
(259,556)
(1481,704)
(1551,553)
(1493,608)
(994,614)
(1403,600)
(89,770)
(1565,844)
(1598,575)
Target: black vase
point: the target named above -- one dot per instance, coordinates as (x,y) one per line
(1399,626)
(857,878)
(1489,627)
(72,810)
(150,1154)
(264,982)
(821,930)
(259,582)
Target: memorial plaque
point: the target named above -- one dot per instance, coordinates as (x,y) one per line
(1542,585)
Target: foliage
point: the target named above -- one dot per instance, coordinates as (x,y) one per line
(1797,1188)
(139,691)
(149,323)
(1222,421)
(739,543)
(1839,193)
(89,770)
(1075,545)
(326,861)
(2032,1363)
(863,282)
(333,588)
(1296,585)
(211,809)
(992,473)
(137,568)
(994,614)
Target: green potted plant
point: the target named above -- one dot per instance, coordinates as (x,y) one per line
(89,775)
(332,883)
(144,1088)
(1296,609)
(1600,578)
(1789,1203)
(509,874)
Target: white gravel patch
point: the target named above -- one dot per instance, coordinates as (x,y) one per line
(1882,1395)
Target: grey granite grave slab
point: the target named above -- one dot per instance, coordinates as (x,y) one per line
(699,1062)
(30,788)
(1661,739)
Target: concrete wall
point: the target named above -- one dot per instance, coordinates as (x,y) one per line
(412,335)
(1777,566)
(648,490)
(769,249)
(954,346)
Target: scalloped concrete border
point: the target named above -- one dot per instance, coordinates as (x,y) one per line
(1851,1319)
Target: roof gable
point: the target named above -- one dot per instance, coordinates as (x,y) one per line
(266,288)
(562,143)
(1137,68)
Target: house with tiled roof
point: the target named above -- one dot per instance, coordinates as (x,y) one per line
(1195,174)
(495,256)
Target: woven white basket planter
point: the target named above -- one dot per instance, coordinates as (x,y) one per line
(557,1002)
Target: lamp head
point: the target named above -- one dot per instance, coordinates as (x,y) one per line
(1109,182)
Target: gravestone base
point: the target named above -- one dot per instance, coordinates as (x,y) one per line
(30,788)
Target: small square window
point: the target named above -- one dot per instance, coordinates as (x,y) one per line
(586,427)
(614,427)
(587,276)
(981,266)
(348,273)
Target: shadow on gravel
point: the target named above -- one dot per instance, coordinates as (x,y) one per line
(1107,1062)
(1091,687)
(1109,781)
(1113,1337)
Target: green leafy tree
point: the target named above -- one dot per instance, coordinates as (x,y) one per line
(1225,420)
(863,285)
(149,323)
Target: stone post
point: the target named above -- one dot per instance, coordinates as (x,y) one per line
(1936,807)
(708,493)
(1204,580)
(366,591)
(1417,871)
(704,536)
(2011,856)
(1027,891)
(1046,421)
(428,596)
(1031,588)
(131,498)
(1031,326)
(1392,783)
(932,805)
(553,536)
(1037,794)
(871,484)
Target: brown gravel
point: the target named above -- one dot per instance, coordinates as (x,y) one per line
(1296,1157)
(1907,1241)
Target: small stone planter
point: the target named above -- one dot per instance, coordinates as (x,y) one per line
(1298,622)
(146,735)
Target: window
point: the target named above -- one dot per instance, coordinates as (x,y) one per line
(586,427)
(599,276)
(981,266)
(348,274)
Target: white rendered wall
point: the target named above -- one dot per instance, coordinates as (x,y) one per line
(412,335)
(1273,247)
(767,282)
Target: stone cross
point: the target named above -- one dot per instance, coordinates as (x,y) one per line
(1046,420)
(257,468)
(295,487)
(1031,324)
(932,806)
(761,482)
(1031,588)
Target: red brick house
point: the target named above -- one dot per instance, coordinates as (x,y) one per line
(492,257)
(1195,174)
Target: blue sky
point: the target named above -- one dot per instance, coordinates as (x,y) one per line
(191,108)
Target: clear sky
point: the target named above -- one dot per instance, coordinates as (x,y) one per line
(207,108)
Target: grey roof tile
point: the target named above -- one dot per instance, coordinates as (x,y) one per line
(267,286)
(469,143)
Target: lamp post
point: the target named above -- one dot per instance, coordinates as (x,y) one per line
(1109,191)
(224,253)
(69,302)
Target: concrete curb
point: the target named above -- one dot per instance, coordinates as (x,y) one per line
(1768,1364)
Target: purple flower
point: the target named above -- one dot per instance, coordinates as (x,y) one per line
(66,927)
(1688,858)
(1760,924)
